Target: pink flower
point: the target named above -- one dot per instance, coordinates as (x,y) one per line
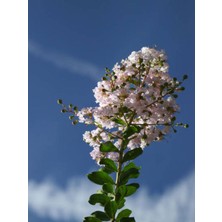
(139,91)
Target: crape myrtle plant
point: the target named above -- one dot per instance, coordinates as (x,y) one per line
(136,106)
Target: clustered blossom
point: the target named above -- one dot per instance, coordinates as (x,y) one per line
(137,92)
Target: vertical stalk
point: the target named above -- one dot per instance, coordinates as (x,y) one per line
(119,169)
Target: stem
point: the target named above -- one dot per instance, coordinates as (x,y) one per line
(120,160)
(119,169)
(119,166)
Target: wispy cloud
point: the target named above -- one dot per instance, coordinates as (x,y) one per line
(71,64)
(47,199)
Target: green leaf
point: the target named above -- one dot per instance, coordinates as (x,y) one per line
(132,154)
(131,130)
(108,147)
(99,198)
(131,173)
(123,213)
(121,192)
(106,170)
(91,219)
(109,164)
(131,189)
(100,177)
(101,215)
(111,208)
(119,121)
(121,203)
(129,166)
(127,219)
(108,188)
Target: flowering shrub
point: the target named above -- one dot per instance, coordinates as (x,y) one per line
(136,106)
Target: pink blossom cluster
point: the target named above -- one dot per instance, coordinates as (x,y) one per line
(137,92)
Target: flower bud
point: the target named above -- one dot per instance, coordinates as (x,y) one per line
(70,106)
(71,117)
(185,77)
(59,101)
(186,125)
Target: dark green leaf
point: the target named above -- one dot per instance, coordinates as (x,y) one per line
(99,198)
(129,166)
(121,193)
(125,143)
(121,203)
(111,208)
(100,177)
(131,173)
(131,130)
(91,219)
(108,188)
(127,219)
(119,121)
(101,215)
(132,154)
(106,170)
(131,189)
(108,147)
(123,213)
(109,164)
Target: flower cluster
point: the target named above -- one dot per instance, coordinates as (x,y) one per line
(136,94)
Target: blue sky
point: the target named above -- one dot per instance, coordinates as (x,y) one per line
(70,44)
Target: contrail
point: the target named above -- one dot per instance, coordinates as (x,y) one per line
(71,64)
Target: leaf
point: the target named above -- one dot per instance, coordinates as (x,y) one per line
(129,166)
(127,219)
(106,170)
(123,213)
(109,164)
(131,173)
(119,121)
(132,154)
(121,203)
(111,208)
(108,147)
(100,177)
(131,189)
(101,215)
(121,192)
(99,198)
(131,130)
(91,219)
(108,188)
